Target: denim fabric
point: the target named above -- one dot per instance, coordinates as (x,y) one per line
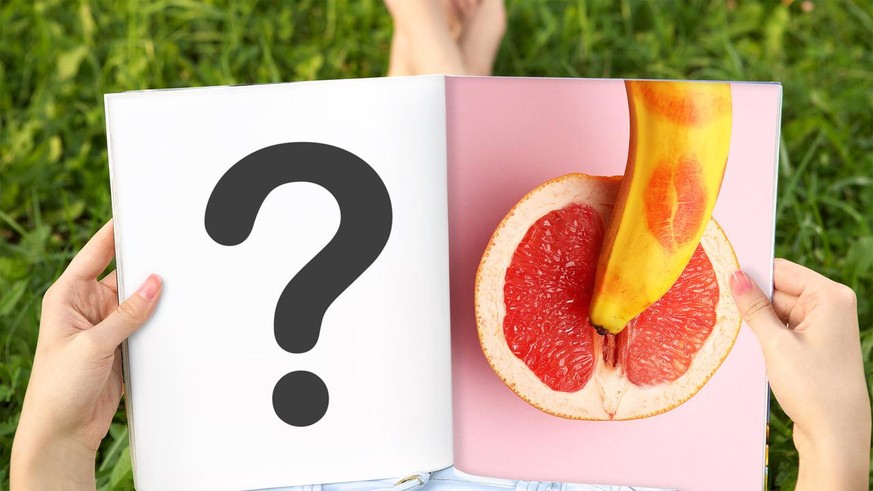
(451,479)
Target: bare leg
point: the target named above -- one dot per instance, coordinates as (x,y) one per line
(422,39)
(481,33)
(445,36)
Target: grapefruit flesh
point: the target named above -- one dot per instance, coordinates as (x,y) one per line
(547,293)
(667,335)
(533,292)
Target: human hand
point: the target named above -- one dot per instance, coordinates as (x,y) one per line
(810,339)
(75,384)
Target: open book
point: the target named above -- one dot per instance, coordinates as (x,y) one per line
(322,319)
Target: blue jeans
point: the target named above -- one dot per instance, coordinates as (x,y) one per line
(451,479)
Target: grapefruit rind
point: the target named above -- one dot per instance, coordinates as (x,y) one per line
(609,395)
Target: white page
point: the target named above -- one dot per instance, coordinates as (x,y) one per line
(203,370)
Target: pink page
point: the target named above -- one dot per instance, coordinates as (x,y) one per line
(507,136)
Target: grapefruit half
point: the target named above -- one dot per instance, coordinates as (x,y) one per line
(533,291)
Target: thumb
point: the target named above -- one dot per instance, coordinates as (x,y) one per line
(757,310)
(129,316)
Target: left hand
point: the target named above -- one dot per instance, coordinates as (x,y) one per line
(76,384)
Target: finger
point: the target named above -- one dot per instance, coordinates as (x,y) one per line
(128,317)
(95,256)
(109,292)
(793,278)
(783,304)
(117,375)
(110,281)
(757,311)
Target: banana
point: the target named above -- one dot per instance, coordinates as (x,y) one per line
(679,140)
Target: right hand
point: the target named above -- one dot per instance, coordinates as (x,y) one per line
(811,343)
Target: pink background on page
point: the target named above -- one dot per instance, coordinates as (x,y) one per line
(505,137)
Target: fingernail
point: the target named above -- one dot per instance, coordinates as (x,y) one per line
(740,283)
(150,287)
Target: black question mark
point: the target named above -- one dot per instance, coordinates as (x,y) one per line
(300,398)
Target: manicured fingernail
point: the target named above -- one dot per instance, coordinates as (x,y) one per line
(740,283)
(150,287)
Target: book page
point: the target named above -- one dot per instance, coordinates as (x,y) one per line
(230,194)
(506,137)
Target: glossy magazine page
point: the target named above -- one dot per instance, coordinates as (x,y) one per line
(594,338)
(301,233)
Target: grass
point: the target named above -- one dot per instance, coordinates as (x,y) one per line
(57,58)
